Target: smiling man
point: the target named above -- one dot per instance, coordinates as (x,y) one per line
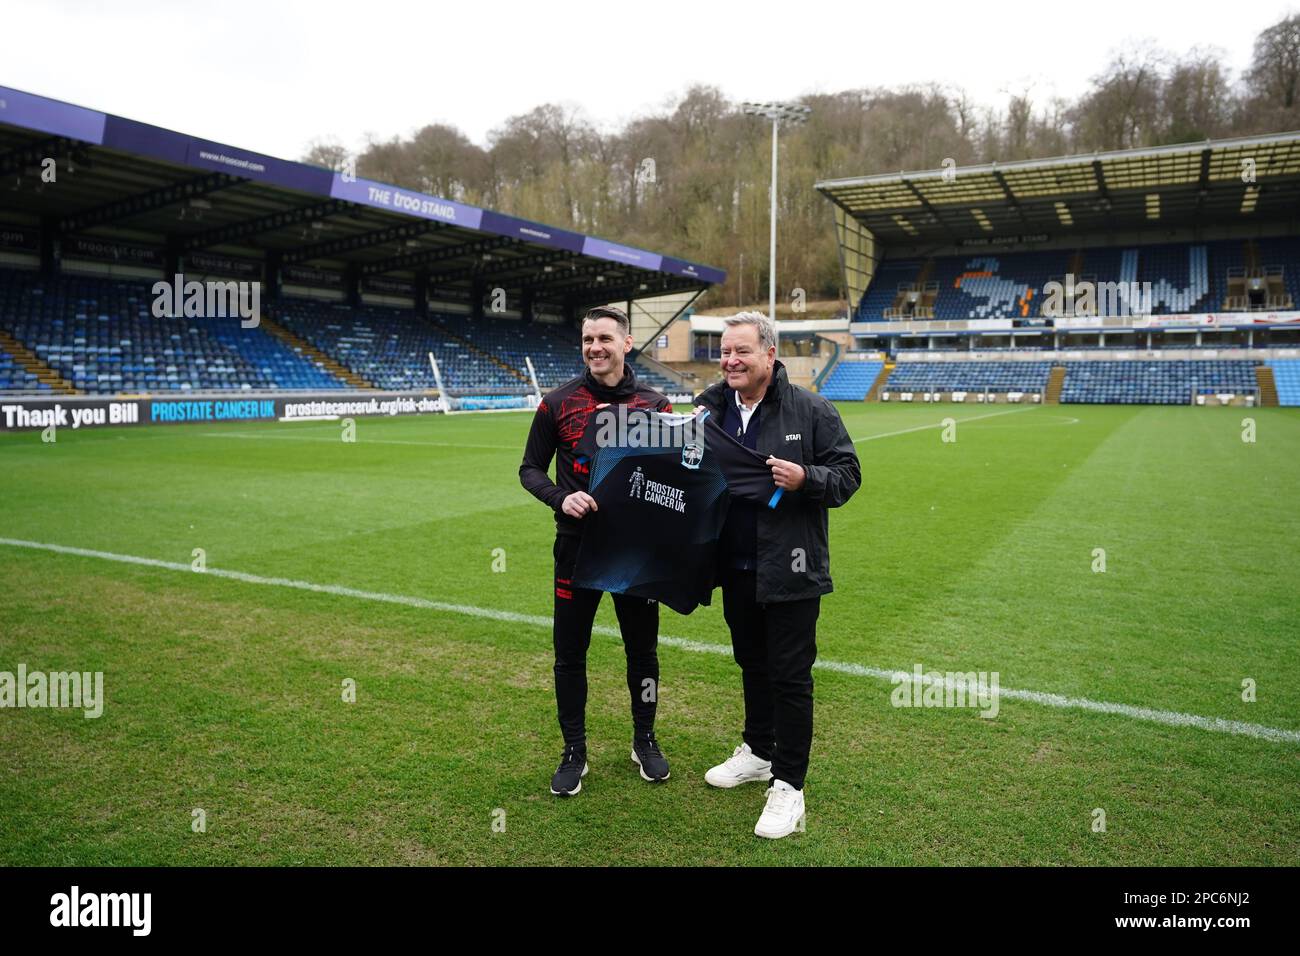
(558,427)
(775,562)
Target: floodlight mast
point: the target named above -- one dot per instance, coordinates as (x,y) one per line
(776,112)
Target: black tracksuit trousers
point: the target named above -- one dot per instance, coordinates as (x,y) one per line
(575,610)
(775,645)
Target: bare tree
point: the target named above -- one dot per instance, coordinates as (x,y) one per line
(327,152)
(1196,98)
(448,163)
(1121,110)
(691,177)
(1275,70)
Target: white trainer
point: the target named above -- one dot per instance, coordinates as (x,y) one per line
(741,767)
(783,814)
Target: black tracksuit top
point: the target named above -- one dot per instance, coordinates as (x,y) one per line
(558,427)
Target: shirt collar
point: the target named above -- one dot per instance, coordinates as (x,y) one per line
(741,405)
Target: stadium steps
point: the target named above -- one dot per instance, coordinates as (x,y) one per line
(481,353)
(1055,379)
(30,361)
(873,393)
(313,354)
(1267,386)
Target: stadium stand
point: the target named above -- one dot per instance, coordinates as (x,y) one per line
(15,378)
(851,380)
(101,336)
(1179,283)
(1286,375)
(390,348)
(888,293)
(554,353)
(1151,382)
(984,287)
(560,349)
(1154,382)
(71,321)
(1179,276)
(1184,278)
(997,377)
(1277,262)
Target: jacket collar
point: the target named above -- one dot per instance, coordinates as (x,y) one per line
(623,389)
(779,383)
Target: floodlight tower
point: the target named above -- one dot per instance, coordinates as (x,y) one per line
(776,112)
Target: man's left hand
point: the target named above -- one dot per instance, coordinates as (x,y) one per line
(786,474)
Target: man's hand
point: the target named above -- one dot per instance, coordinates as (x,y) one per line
(578,504)
(786,474)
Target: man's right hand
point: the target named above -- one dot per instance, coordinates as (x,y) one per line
(578,504)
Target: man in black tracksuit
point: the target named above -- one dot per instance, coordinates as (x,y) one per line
(558,427)
(775,562)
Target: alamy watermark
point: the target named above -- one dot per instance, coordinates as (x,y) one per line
(615,428)
(208,300)
(82,690)
(950,689)
(129,910)
(1070,298)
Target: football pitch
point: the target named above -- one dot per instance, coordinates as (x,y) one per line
(412,563)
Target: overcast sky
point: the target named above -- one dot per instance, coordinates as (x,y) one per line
(271,76)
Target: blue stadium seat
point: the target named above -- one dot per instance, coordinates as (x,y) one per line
(1183,277)
(999,377)
(100,335)
(851,380)
(1286,374)
(1154,381)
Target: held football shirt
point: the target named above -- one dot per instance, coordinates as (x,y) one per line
(662,484)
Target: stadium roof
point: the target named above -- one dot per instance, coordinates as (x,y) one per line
(1215,182)
(203,195)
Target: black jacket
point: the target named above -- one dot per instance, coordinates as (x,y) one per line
(558,427)
(794,560)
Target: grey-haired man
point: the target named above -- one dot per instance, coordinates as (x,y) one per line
(775,562)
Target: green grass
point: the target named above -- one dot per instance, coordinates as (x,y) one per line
(972,555)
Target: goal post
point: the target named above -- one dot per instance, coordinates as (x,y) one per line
(446,400)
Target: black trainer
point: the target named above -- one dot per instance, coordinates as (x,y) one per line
(573,767)
(647,755)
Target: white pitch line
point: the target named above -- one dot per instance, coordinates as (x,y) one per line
(1167,717)
(921,428)
(366,441)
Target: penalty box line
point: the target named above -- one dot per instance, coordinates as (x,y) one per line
(1169,718)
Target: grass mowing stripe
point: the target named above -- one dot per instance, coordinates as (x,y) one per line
(921,428)
(1167,717)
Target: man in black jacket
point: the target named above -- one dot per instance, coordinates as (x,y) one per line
(558,427)
(775,563)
